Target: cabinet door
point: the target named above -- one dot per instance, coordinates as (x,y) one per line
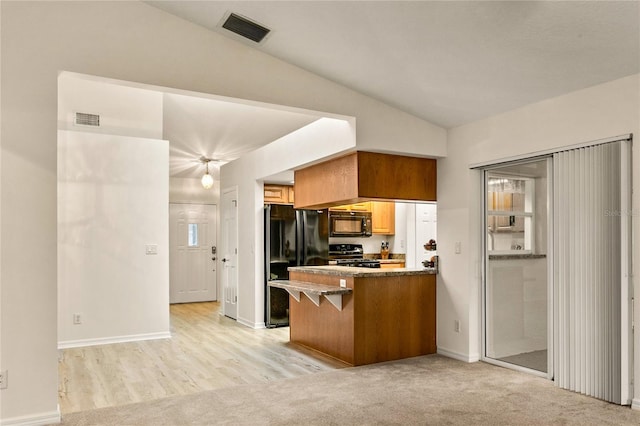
(383,217)
(361,207)
(391,265)
(358,207)
(277,194)
(291,197)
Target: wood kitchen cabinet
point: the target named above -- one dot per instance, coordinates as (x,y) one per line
(387,265)
(383,217)
(358,207)
(278,194)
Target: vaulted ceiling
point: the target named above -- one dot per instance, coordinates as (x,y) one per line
(448,62)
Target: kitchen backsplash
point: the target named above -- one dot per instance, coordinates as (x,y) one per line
(371,244)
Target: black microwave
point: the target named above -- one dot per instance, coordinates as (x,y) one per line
(349,224)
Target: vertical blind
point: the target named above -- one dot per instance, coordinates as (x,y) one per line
(591,299)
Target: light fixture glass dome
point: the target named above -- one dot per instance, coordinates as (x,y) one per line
(207,180)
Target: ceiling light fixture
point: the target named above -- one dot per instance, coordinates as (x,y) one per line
(207,179)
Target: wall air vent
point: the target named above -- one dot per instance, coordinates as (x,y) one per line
(85,119)
(245,28)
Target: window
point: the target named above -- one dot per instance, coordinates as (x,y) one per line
(510,215)
(193,235)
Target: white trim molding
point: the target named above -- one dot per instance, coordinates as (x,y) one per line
(635,404)
(116,339)
(52,417)
(254,325)
(459,356)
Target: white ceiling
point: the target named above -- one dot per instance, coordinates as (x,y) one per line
(220,130)
(447,62)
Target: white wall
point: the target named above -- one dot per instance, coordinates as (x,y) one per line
(123,110)
(112,202)
(189,190)
(598,112)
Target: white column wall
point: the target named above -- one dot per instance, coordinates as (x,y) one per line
(112,202)
(601,111)
(136,42)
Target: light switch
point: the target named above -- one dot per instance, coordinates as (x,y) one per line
(343,283)
(151,249)
(458,247)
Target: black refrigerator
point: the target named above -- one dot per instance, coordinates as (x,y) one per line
(292,238)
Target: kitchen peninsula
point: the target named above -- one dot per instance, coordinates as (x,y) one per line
(376,315)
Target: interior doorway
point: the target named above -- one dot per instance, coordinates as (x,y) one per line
(192,253)
(229,252)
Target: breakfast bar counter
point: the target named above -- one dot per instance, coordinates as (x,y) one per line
(383,314)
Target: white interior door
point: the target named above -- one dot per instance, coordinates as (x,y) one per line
(229,252)
(192,242)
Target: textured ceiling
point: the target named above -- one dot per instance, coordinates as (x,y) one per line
(447,62)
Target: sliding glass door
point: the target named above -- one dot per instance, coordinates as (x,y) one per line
(557,297)
(516,286)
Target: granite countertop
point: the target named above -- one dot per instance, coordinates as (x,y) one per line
(349,271)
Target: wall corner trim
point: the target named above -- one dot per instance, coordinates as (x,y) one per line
(116,339)
(51,417)
(247,323)
(459,356)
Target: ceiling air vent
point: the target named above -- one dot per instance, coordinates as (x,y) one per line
(245,28)
(84,119)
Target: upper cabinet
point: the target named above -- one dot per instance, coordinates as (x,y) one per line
(383,217)
(278,194)
(363,176)
(358,207)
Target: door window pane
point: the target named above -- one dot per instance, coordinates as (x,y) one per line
(193,235)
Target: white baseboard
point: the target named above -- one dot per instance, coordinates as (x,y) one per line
(52,417)
(250,324)
(635,404)
(457,355)
(109,340)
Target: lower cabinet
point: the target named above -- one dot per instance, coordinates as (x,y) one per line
(392,265)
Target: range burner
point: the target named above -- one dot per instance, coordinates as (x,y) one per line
(350,255)
(359,263)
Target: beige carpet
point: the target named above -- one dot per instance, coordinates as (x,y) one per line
(424,390)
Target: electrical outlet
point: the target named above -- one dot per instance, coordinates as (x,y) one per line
(4,379)
(456,326)
(458,247)
(343,283)
(77,319)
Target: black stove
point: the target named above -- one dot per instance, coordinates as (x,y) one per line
(358,263)
(350,255)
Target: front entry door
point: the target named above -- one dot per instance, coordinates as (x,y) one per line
(229,252)
(192,258)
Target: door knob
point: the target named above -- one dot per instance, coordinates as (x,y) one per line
(213,258)
(224,260)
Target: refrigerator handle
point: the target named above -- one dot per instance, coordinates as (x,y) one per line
(300,249)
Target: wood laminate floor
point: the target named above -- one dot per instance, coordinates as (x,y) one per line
(206,351)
